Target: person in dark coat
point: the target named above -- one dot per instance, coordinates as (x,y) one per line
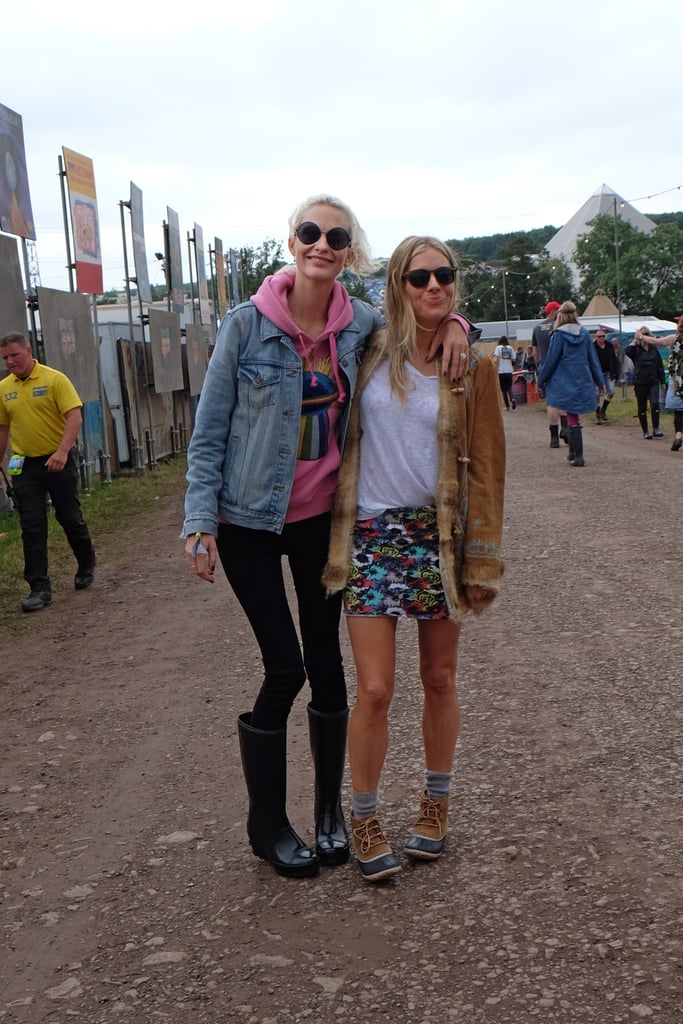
(610,373)
(648,378)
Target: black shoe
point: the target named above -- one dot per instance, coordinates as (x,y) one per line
(554,442)
(647,437)
(513,404)
(328,746)
(657,433)
(85,578)
(36,600)
(272,837)
(676,446)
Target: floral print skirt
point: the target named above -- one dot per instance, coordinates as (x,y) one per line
(395,566)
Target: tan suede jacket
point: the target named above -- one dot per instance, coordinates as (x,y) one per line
(470,489)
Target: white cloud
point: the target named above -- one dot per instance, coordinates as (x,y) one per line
(457,117)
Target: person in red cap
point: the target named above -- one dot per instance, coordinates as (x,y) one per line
(540,340)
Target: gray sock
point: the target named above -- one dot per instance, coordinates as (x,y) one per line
(363,804)
(438,784)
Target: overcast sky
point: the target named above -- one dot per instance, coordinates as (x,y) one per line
(452,117)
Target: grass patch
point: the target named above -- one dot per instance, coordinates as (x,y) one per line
(620,410)
(106,507)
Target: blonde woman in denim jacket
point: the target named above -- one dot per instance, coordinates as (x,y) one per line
(262,473)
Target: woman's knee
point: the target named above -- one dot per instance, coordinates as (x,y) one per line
(438,679)
(373,697)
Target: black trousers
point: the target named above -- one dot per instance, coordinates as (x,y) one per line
(505,382)
(31,489)
(252,560)
(648,393)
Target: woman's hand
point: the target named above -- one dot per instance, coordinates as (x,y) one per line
(202,554)
(455,360)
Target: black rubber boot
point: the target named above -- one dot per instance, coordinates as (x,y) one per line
(576,442)
(554,436)
(564,430)
(603,410)
(264,762)
(328,747)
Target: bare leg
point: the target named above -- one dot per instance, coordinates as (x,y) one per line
(373,645)
(441,710)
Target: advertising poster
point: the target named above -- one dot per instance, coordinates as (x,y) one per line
(175,262)
(137,223)
(16,216)
(196,352)
(85,225)
(12,301)
(202,287)
(167,361)
(220,277)
(69,339)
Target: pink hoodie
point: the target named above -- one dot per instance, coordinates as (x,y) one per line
(318,456)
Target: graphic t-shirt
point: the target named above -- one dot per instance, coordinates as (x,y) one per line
(505,355)
(323,397)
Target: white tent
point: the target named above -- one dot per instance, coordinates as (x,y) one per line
(604,201)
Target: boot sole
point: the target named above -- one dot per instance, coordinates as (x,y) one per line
(380,876)
(290,870)
(421,855)
(332,858)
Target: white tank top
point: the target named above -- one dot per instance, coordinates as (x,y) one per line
(399,459)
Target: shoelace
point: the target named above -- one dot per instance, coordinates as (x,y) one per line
(369,834)
(429,813)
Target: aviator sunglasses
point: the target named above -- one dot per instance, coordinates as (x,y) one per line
(309,232)
(420,278)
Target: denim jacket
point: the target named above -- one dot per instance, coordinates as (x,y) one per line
(242,455)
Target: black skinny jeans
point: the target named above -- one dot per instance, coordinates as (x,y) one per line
(252,560)
(31,488)
(647,393)
(505,382)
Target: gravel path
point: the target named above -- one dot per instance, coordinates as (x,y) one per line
(128,888)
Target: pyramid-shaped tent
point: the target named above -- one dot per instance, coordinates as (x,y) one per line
(604,201)
(600,305)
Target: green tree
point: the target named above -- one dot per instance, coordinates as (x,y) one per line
(650,266)
(355,285)
(254,265)
(596,259)
(660,266)
(529,283)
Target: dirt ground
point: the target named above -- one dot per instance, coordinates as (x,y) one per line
(129,891)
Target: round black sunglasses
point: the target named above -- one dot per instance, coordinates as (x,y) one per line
(337,238)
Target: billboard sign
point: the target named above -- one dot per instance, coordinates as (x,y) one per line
(220,277)
(16,216)
(137,222)
(174,262)
(85,225)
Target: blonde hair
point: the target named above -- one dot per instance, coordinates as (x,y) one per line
(401,326)
(566,314)
(361,261)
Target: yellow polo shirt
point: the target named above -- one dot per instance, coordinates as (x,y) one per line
(35,409)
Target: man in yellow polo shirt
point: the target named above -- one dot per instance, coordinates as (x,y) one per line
(41,412)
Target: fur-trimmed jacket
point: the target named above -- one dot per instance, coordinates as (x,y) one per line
(470,489)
